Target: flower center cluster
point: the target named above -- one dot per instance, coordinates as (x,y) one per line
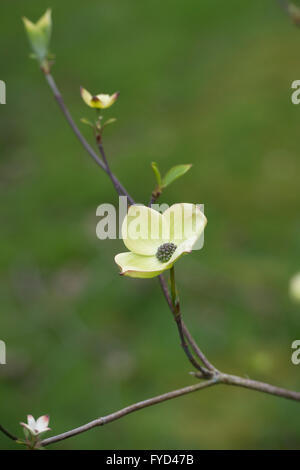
(165,252)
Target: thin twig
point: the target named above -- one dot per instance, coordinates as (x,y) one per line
(197,350)
(187,334)
(78,134)
(164,287)
(259,386)
(8,434)
(155,195)
(115,182)
(178,319)
(218,378)
(185,347)
(130,409)
(174,295)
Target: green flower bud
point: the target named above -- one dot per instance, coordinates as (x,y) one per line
(39,35)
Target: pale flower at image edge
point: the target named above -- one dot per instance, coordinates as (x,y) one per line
(36,427)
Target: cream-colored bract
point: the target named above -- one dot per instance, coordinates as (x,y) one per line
(295,287)
(101,101)
(144,230)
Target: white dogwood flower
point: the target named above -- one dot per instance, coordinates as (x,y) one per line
(157,240)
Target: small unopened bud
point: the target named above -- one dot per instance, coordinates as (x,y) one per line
(39,35)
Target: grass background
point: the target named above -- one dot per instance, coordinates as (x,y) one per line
(206,83)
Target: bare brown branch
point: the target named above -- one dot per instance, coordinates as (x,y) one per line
(259,386)
(130,409)
(218,378)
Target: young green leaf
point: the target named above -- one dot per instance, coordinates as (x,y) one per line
(87,122)
(109,121)
(157,174)
(174,173)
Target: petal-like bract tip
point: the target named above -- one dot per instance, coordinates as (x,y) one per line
(27,23)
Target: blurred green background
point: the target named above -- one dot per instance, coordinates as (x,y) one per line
(207,83)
